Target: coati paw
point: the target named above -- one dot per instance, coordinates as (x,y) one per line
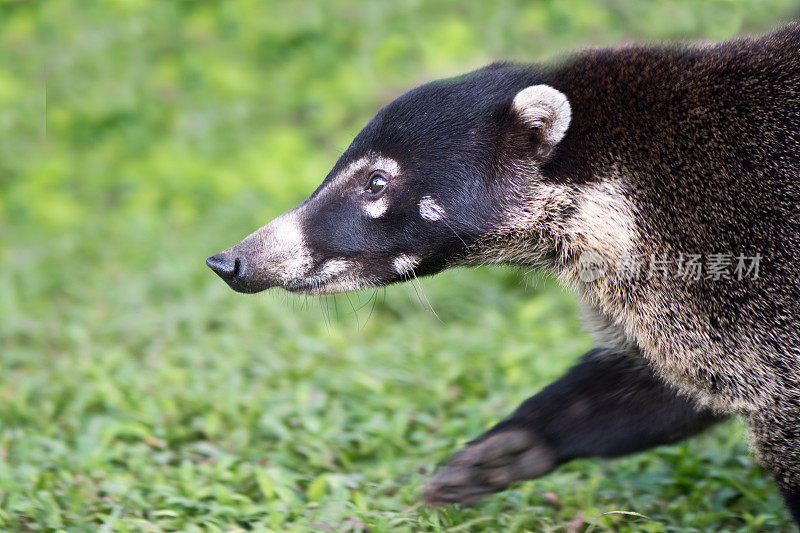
(489,465)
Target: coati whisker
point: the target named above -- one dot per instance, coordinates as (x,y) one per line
(454,231)
(425,296)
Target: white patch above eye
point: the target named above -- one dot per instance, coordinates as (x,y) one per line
(371,162)
(348,171)
(404,263)
(386,164)
(430,210)
(376,209)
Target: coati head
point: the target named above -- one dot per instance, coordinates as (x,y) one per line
(437,178)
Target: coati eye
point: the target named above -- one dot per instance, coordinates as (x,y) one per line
(376,184)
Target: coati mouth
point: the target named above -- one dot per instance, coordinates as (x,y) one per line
(330,285)
(334,276)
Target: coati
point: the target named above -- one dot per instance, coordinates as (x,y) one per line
(662,183)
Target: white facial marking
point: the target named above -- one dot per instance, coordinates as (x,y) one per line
(377,162)
(387,165)
(335,267)
(404,264)
(348,171)
(430,210)
(377,208)
(285,246)
(335,276)
(542,106)
(340,284)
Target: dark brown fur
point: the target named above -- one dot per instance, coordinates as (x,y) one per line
(702,146)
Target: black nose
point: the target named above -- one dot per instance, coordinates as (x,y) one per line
(224,266)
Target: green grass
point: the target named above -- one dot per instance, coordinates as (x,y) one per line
(138,393)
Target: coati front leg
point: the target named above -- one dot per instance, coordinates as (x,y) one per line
(609,404)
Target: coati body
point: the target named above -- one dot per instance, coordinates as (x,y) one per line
(655,155)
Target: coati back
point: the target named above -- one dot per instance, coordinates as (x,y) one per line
(660,182)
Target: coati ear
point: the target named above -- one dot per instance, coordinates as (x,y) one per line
(545,109)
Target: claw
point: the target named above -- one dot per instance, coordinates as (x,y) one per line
(490,465)
(495,450)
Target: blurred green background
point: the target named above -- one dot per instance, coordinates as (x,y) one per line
(138,393)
